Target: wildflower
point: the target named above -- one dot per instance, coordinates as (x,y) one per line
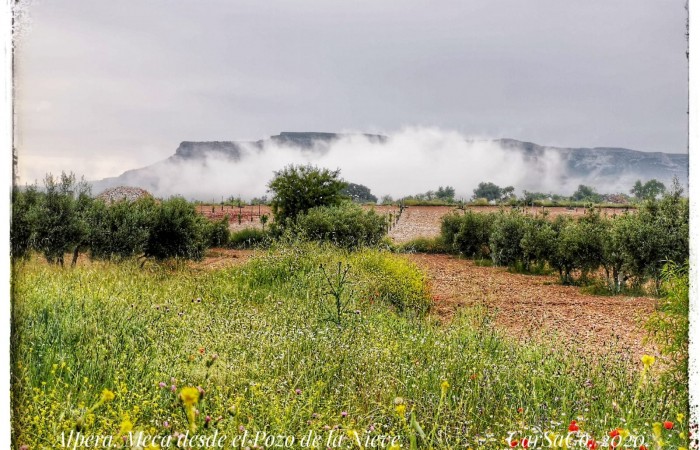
(444,386)
(679,418)
(152,446)
(648,361)
(107,396)
(126,425)
(395,446)
(297,391)
(591,444)
(614,433)
(401,410)
(344,414)
(166,424)
(520,410)
(643,447)
(513,443)
(668,424)
(189,396)
(207,419)
(525,443)
(656,429)
(573,426)
(162,385)
(173,388)
(201,350)
(201,391)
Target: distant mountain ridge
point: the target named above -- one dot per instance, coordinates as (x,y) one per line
(603,165)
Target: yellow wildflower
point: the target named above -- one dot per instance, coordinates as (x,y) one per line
(126,425)
(656,429)
(189,396)
(395,446)
(401,410)
(107,396)
(444,386)
(648,361)
(152,446)
(679,418)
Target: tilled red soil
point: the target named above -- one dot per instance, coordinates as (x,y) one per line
(531,306)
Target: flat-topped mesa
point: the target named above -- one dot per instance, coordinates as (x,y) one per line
(309,139)
(192,150)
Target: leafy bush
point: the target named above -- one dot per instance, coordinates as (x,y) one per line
(121,230)
(424,245)
(538,242)
(248,237)
(346,225)
(472,238)
(177,232)
(219,234)
(508,230)
(297,189)
(61,217)
(23,226)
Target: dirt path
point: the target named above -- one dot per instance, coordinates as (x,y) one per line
(530,306)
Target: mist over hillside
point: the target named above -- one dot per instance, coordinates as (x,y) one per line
(410,161)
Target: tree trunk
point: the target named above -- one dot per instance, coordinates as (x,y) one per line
(76,252)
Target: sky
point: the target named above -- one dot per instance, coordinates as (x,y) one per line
(105,86)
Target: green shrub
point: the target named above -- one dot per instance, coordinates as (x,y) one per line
(61,217)
(219,234)
(248,238)
(346,225)
(538,242)
(424,245)
(178,231)
(297,189)
(507,232)
(121,230)
(24,219)
(449,227)
(472,238)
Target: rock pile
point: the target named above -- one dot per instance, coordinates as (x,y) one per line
(127,193)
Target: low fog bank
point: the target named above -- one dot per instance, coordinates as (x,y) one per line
(412,161)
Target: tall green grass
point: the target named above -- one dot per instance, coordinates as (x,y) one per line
(256,340)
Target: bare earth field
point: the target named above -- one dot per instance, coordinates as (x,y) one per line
(530,306)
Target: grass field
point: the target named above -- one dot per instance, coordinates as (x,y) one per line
(262,349)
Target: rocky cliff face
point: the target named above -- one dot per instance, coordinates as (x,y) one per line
(602,167)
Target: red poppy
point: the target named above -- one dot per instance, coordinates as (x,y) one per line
(591,444)
(513,443)
(573,427)
(613,433)
(668,425)
(520,410)
(525,443)
(643,447)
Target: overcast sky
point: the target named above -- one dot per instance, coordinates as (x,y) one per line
(105,86)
